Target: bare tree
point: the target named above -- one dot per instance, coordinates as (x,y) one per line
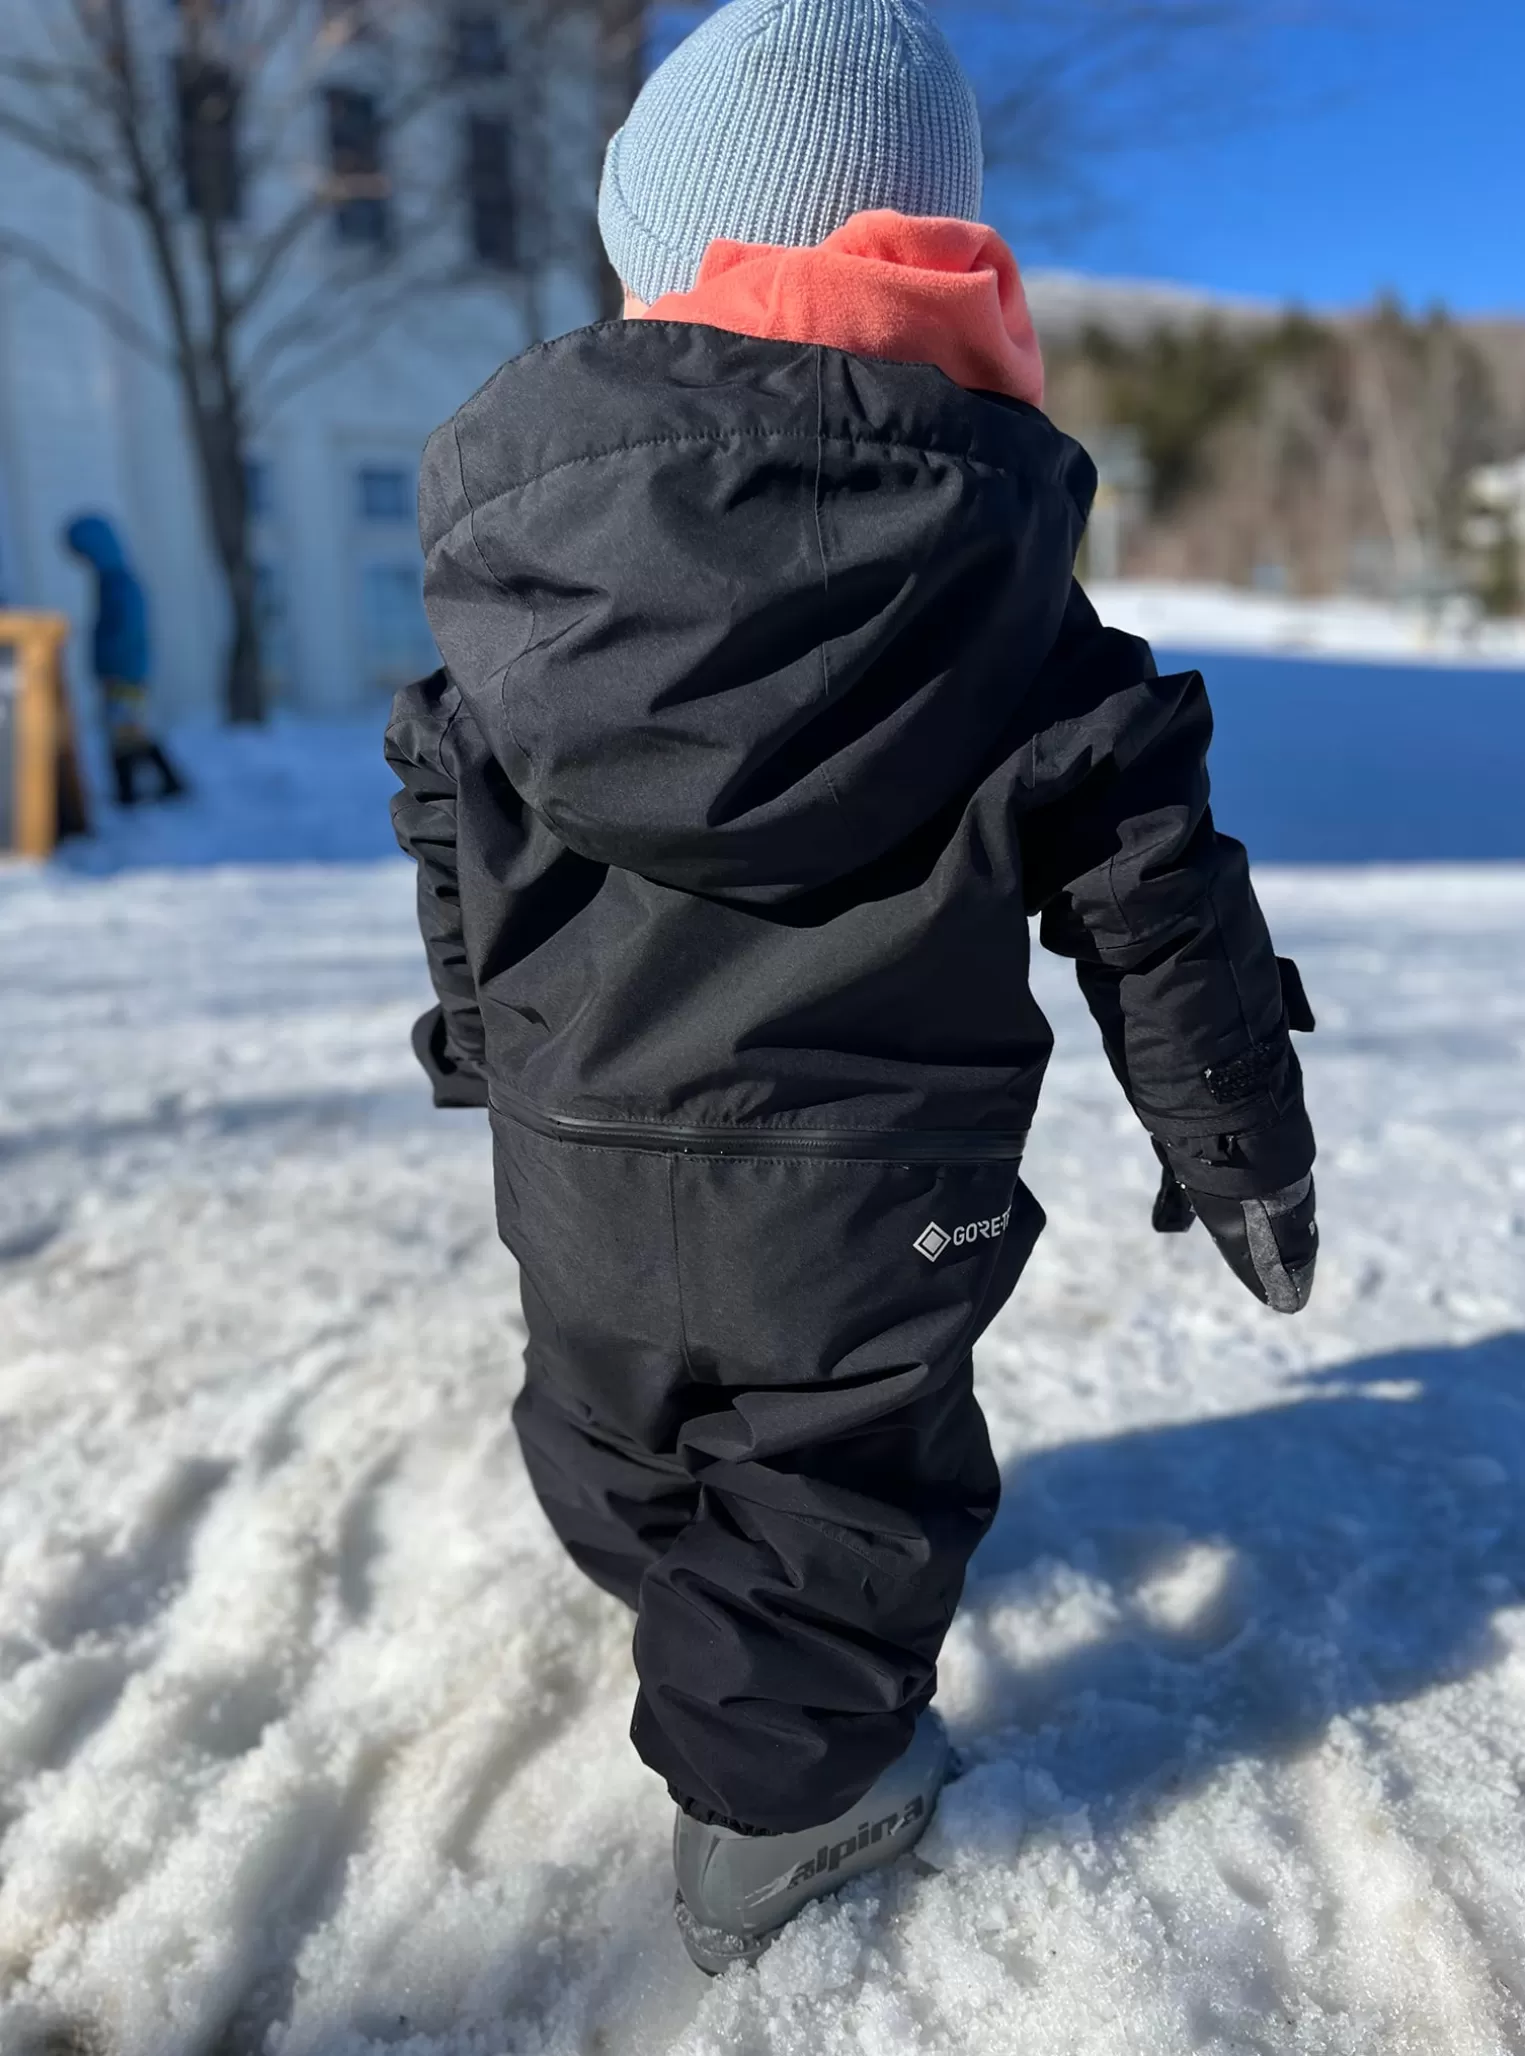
(1070,87)
(258,146)
(253,144)
(622,43)
(1065,87)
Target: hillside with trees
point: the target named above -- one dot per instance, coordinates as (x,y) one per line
(1301,454)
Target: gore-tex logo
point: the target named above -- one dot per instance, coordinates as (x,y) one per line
(933,1240)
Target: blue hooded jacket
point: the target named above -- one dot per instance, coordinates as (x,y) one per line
(121,618)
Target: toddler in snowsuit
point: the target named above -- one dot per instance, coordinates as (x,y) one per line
(771,710)
(120,651)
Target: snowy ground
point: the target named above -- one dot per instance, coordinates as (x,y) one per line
(1221,617)
(311,1744)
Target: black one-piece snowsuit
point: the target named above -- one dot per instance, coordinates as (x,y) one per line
(771,711)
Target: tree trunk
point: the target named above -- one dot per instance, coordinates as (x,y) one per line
(622,29)
(219,439)
(244,680)
(243,675)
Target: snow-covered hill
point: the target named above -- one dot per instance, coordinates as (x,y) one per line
(312,1744)
(1064,303)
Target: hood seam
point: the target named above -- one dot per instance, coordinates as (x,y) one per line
(471,512)
(768,435)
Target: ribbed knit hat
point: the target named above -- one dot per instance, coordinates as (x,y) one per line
(778,120)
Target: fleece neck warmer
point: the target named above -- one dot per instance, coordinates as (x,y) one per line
(908,288)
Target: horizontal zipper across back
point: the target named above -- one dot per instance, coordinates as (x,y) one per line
(901,1146)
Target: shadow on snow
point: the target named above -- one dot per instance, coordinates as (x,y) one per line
(1259,1574)
(1364,1536)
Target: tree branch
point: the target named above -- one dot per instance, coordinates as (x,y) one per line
(272,254)
(327,330)
(320,311)
(149,199)
(119,319)
(55,143)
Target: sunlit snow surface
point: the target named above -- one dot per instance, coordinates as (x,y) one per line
(312,1744)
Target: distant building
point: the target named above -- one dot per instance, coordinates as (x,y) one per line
(1499,490)
(87,423)
(1494,535)
(1121,502)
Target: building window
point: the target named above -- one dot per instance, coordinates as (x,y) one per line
(397,646)
(385,492)
(477,48)
(490,192)
(206,104)
(362,211)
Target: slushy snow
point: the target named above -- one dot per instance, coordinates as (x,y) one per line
(313,1744)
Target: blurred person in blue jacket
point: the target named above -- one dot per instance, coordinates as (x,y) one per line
(121,658)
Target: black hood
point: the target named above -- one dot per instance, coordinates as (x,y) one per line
(740,616)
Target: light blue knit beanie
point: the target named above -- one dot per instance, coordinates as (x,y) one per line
(778,120)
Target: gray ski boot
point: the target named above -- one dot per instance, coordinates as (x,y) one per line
(736,1891)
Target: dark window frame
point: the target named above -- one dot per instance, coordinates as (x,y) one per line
(492,212)
(478,44)
(356,133)
(376,502)
(207,98)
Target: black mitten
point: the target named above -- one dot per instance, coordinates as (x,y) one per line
(456,1082)
(1173,1213)
(1270,1244)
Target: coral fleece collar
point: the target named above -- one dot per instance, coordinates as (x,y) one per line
(915,290)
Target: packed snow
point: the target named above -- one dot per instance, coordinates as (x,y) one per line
(313,1744)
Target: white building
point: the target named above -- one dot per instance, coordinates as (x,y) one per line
(1497,491)
(88,424)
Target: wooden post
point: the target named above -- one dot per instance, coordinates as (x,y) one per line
(43,765)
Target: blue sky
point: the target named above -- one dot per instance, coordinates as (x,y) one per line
(1387,152)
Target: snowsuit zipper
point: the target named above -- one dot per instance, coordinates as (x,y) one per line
(899,1146)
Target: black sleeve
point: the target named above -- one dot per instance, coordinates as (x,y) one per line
(1134,882)
(448,1040)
